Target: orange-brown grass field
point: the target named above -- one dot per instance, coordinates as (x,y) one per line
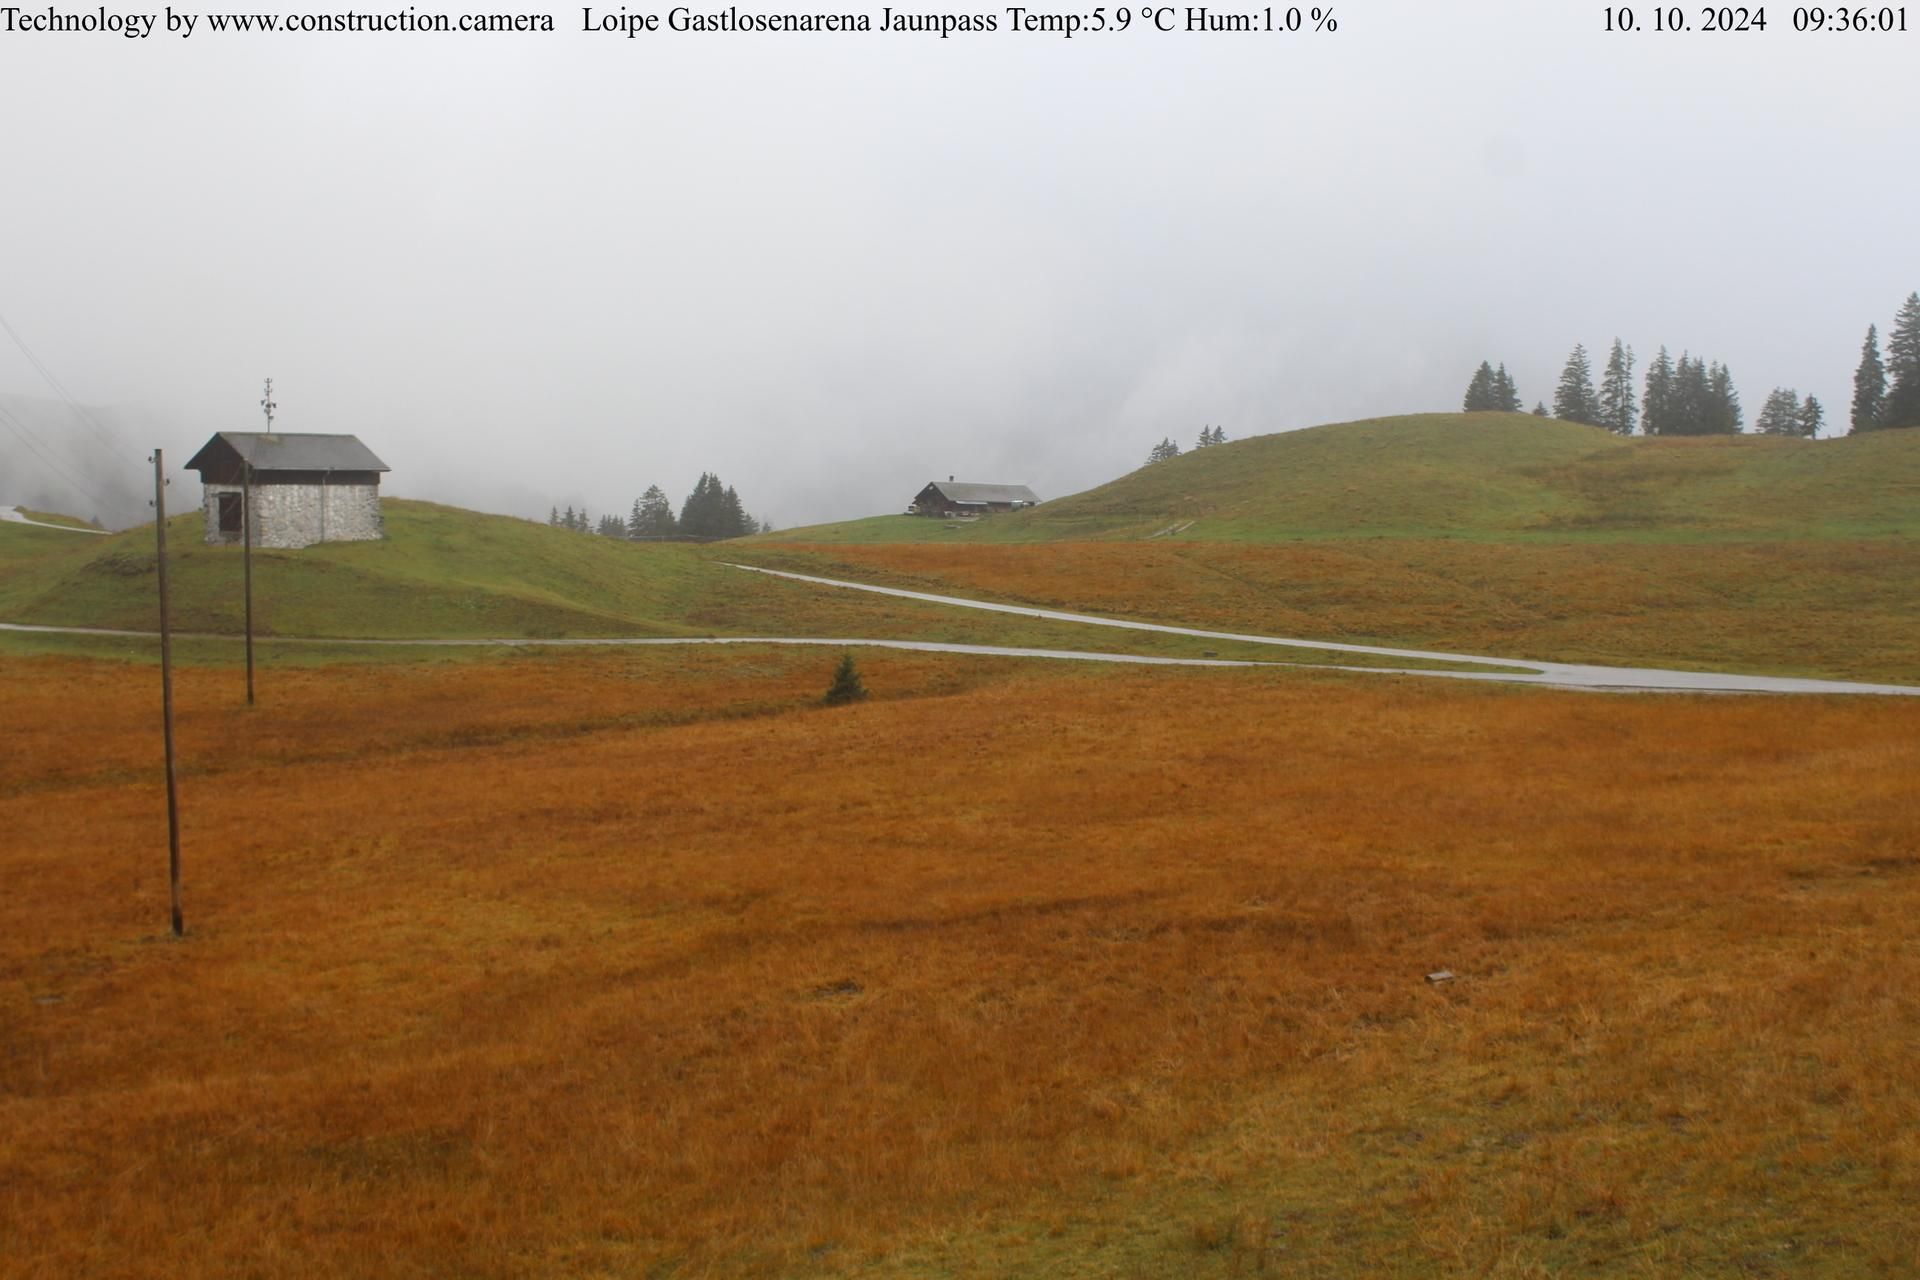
(1843,609)
(643,964)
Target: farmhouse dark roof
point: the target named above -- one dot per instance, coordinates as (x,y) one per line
(962,491)
(286,452)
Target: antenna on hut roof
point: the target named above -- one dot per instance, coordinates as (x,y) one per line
(268,406)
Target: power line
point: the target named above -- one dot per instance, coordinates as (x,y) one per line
(66,396)
(19,429)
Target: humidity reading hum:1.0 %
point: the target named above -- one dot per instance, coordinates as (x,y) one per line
(1200,18)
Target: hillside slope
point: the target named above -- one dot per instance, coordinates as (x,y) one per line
(1475,533)
(21,543)
(1481,476)
(439,572)
(443,572)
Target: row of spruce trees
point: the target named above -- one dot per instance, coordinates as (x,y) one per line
(1692,397)
(712,510)
(1167,448)
(1887,394)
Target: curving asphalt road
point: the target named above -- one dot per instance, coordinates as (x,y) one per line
(587,642)
(1560,675)
(1564,675)
(12,515)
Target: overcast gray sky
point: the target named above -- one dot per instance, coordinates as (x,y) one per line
(538,269)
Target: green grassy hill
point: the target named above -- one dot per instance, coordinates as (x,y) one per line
(21,543)
(1483,476)
(1481,533)
(1477,533)
(54,517)
(442,572)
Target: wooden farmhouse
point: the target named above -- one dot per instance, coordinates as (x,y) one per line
(303,488)
(960,498)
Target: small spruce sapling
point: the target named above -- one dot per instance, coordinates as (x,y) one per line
(846,686)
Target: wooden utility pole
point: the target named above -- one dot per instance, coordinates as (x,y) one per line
(246,561)
(166,689)
(246,532)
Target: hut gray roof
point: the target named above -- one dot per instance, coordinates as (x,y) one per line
(283,451)
(962,491)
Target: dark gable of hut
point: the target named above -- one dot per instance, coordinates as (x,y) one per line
(963,498)
(285,459)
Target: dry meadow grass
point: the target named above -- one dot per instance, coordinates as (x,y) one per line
(1846,609)
(641,964)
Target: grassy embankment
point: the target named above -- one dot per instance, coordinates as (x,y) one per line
(634,964)
(1482,533)
(443,572)
(22,544)
(1493,477)
(50,517)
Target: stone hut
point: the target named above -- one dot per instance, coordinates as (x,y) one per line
(305,488)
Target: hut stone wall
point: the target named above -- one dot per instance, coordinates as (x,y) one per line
(298,515)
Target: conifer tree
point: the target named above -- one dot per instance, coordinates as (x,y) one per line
(1616,391)
(1869,385)
(698,517)
(1780,415)
(1540,410)
(635,520)
(1723,411)
(553,517)
(1692,396)
(566,521)
(712,510)
(846,686)
(659,511)
(1506,397)
(1656,406)
(654,515)
(1574,399)
(733,516)
(1812,418)
(1163,451)
(1479,397)
(1902,407)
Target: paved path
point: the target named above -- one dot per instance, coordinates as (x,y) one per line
(12,515)
(1563,675)
(585,642)
(1553,674)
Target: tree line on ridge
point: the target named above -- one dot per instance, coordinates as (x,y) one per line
(711,511)
(1694,396)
